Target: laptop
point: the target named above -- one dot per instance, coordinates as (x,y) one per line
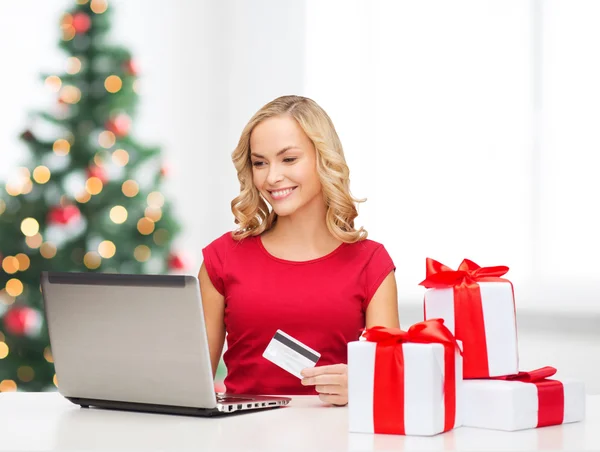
(135,342)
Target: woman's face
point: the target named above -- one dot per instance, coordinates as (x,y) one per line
(284,165)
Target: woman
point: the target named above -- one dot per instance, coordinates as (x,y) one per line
(300,265)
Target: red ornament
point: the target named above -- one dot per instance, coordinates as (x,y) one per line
(63,215)
(22,320)
(97,171)
(177,262)
(119,125)
(130,67)
(165,170)
(27,136)
(81,22)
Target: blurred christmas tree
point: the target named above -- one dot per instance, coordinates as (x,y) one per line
(89,198)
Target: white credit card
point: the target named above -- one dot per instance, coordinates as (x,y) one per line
(290,354)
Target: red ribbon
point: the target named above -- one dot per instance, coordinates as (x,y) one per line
(388,396)
(551,394)
(469,326)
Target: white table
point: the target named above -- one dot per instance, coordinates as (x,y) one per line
(47,421)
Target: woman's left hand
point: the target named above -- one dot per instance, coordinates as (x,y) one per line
(331,382)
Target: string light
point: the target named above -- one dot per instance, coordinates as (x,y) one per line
(10,265)
(61,147)
(145,226)
(161,236)
(73,65)
(14,287)
(118,214)
(156,200)
(25,373)
(130,188)
(94,185)
(30,227)
(120,157)
(98,6)
(41,174)
(53,83)
(3,350)
(142,253)
(107,249)
(48,355)
(113,83)
(48,250)
(23,261)
(70,94)
(34,241)
(92,260)
(107,139)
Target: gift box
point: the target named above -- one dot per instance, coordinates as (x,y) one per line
(523,401)
(478,307)
(404,382)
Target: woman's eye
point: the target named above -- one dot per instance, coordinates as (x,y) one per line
(289,159)
(257,164)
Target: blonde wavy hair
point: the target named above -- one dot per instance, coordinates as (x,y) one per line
(250,209)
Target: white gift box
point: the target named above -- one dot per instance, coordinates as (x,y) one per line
(499,320)
(424,409)
(513,405)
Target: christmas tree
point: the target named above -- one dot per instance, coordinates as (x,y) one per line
(88,198)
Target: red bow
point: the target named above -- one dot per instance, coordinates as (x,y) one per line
(469,325)
(388,398)
(551,394)
(439,276)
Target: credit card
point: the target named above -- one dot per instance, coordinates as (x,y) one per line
(290,354)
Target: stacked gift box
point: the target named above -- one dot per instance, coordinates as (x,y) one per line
(459,367)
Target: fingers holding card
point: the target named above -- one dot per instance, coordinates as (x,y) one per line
(290,354)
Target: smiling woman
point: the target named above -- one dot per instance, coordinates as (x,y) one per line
(296,262)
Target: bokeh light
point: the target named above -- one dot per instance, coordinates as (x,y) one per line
(41,174)
(34,241)
(10,265)
(142,253)
(99,6)
(156,200)
(48,250)
(83,197)
(120,157)
(61,147)
(94,185)
(2,206)
(53,83)
(70,94)
(8,386)
(145,226)
(73,65)
(92,260)
(130,188)
(161,236)
(118,214)
(3,350)
(30,227)
(153,213)
(25,373)
(48,355)
(113,83)
(14,287)
(24,261)
(107,139)
(107,249)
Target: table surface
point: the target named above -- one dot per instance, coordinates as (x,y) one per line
(47,421)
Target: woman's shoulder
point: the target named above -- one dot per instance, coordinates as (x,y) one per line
(367,249)
(228,241)
(366,245)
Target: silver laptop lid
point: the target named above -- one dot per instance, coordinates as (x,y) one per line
(131,338)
